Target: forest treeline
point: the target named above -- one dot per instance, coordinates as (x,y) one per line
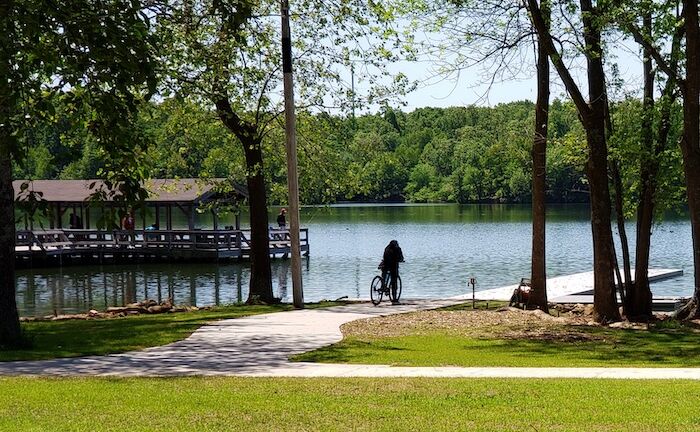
(459,154)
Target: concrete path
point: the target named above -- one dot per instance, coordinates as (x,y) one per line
(260,346)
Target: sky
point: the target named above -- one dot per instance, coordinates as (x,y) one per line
(468,88)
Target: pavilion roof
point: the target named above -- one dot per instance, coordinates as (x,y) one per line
(160,190)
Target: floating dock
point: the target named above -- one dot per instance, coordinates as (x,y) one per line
(578,288)
(56,247)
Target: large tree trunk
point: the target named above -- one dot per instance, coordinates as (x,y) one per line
(10,334)
(538,275)
(604,299)
(260,272)
(690,144)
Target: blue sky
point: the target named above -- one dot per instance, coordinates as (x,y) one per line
(468,88)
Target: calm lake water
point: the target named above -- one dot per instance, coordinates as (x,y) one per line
(443,245)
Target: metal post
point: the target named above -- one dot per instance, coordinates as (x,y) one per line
(472,282)
(291,144)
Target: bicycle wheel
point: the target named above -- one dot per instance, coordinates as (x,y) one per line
(398,290)
(376,290)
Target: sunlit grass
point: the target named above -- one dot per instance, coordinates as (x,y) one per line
(663,347)
(360,404)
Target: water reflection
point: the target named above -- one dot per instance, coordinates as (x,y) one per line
(75,289)
(443,244)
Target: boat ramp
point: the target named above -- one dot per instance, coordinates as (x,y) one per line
(578,288)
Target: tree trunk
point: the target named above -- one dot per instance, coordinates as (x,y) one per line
(538,275)
(10,334)
(260,272)
(626,282)
(639,299)
(604,299)
(690,143)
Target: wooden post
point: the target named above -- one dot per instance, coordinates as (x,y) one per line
(157,216)
(291,145)
(59,216)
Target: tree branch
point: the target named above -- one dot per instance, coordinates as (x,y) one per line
(555,56)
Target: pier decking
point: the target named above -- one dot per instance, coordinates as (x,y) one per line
(577,288)
(56,246)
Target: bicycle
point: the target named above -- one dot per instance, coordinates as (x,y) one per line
(380,287)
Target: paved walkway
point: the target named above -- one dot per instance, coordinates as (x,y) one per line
(260,346)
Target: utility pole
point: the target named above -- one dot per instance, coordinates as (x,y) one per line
(291,144)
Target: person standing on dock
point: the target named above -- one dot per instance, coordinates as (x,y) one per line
(282,219)
(129,224)
(75,221)
(393,255)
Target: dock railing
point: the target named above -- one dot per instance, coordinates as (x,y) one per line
(78,240)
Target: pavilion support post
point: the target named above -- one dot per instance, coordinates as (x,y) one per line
(157,222)
(59,216)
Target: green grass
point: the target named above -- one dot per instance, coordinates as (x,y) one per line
(71,338)
(624,348)
(398,404)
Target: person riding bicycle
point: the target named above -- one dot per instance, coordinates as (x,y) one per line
(390,265)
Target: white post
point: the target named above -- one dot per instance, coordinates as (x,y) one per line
(291,144)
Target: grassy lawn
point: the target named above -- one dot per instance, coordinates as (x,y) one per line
(71,338)
(261,404)
(461,338)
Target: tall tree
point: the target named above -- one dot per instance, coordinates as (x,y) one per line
(9,319)
(539,172)
(99,54)
(689,86)
(593,118)
(655,133)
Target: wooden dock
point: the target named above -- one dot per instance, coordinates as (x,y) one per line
(578,288)
(59,246)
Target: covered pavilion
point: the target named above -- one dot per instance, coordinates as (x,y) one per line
(165,197)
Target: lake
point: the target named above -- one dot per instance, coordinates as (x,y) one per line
(443,245)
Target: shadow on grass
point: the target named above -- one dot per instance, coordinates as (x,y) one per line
(346,352)
(73,338)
